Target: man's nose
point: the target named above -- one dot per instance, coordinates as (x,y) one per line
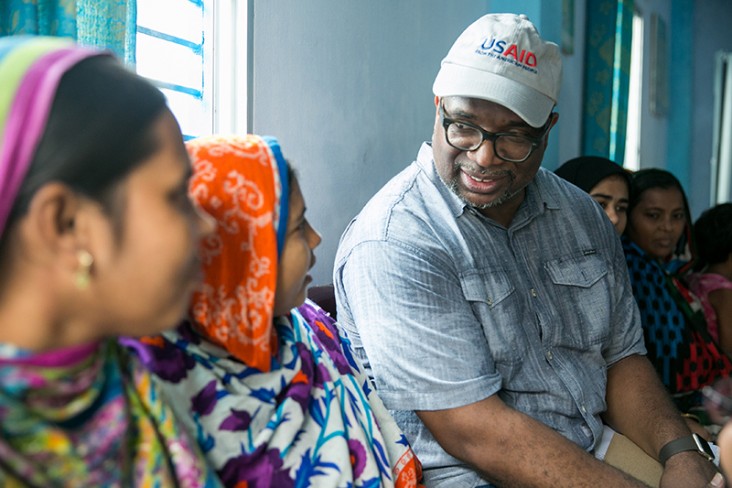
(485,155)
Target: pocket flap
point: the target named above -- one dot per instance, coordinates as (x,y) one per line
(583,271)
(488,286)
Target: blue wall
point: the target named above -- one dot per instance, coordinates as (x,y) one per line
(711,22)
(347,87)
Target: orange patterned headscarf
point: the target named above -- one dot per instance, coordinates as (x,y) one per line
(242,182)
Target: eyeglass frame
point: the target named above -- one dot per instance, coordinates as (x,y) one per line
(493,136)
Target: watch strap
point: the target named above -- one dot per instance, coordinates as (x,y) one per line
(689,443)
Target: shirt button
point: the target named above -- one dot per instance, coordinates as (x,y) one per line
(549,355)
(583,409)
(533,293)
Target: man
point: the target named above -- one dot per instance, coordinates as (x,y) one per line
(490,300)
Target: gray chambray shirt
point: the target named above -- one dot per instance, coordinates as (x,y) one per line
(445,307)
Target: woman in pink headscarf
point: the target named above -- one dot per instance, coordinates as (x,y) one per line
(97,239)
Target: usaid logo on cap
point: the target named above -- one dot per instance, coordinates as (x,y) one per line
(510,53)
(497,59)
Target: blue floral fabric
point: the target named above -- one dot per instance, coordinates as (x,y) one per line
(312,420)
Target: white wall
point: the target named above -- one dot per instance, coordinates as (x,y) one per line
(346,85)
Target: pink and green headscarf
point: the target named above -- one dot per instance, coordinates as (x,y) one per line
(30,71)
(89,415)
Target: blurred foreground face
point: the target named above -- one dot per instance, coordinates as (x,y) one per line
(718,404)
(612,195)
(145,273)
(657,222)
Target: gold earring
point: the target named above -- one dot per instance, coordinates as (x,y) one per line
(83,272)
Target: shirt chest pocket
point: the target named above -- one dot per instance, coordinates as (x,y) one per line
(491,295)
(583,295)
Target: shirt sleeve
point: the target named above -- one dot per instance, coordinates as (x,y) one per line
(626,337)
(423,344)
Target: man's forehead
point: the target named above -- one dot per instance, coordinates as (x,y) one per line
(478,107)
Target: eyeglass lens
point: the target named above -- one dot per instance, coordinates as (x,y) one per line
(467,138)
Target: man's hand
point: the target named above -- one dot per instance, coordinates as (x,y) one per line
(510,448)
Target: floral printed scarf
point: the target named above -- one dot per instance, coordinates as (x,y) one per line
(272,401)
(312,420)
(90,416)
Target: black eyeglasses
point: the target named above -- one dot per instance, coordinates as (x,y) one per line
(511,147)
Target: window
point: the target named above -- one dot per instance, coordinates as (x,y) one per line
(195,51)
(721,178)
(631,159)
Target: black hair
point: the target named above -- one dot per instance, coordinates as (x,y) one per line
(586,172)
(98,131)
(713,232)
(649,178)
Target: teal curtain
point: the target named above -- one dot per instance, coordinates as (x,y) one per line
(109,24)
(609,32)
(679,154)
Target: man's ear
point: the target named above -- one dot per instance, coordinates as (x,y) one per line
(50,228)
(555,118)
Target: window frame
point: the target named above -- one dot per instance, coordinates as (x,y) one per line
(225,56)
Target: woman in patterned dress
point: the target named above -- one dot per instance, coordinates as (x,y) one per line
(658,249)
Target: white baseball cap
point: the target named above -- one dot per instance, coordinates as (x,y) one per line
(501,58)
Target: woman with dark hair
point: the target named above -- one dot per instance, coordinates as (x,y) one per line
(659,252)
(277,398)
(606,182)
(713,284)
(97,240)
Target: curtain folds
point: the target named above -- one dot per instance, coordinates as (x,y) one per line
(109,24)
(607,77)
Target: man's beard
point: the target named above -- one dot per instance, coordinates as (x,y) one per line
(508,195)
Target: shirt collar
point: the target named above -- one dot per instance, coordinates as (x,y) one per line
(541,194)
(426,162)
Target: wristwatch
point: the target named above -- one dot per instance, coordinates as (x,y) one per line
(690,443)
